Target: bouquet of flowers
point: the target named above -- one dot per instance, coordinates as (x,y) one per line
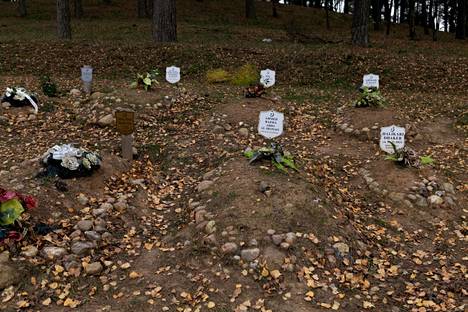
(18,96)
(12,205)
(67,161)
(370,97)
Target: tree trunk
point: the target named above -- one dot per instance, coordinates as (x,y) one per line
(327,13)
(22,8)
(346,7)
(360,31)
(78,6)
(164,21)
(452,16)
(461,20)
(274,4)
(63,19)
(250,9)
(388,15)
(141,7)
(430,20)
(149,8)
(403,5)
(412,28)
(395,13)
(424,17)
(376,14)
(435,19)
(446,15)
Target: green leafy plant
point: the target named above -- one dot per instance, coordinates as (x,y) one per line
(48,86)
(246,75)
(217,75)
(147,80)
(407,157)
(275,154)
(370,97)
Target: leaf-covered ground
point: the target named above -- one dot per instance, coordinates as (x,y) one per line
(189,225)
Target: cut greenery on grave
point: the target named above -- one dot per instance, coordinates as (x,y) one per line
(370,97)
(280,159)
(147,80)
(407,157)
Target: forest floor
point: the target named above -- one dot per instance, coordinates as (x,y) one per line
(189,225)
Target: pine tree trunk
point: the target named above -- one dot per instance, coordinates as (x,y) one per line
(141,6)
(403,5)
(395,12)
(424,17)
(327,13)
(376,16)
(446,15)
(78,6)
(435,18)
(388,15)
(164,21)
(22,8)
(63,19)
(274,4)
(149,8)
(346,7)
(250,9)
(461,20)
(360,31)
(412,28)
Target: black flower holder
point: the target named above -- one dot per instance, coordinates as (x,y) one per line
(66,162)
(18,97)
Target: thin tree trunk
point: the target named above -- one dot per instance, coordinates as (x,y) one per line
(22,8)
(452,16)
(435,19)
(412,28)
(274,4)
(141,7)
(149,8)
(63,19)
(403,5)
(388,15)
(461,19)
(327,13)
(360,31)
(424,17)
(164,21)
(430,20)
(250,9)
(376,15)
(346,7)
(446,15)
(395,13)
(78,8)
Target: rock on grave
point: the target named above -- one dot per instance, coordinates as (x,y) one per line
(204,185)
(435,200)
(84,225)
(93,268)
(342,248)
(229,248)
(53,252)
(250,254)
(80,248)
(107,120)
(8,274)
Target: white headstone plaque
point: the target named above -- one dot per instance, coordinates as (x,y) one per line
(393,134)
(270,124)
(86,73)
(370,81)
(267,78)
(173,74)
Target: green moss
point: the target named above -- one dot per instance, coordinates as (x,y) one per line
(246,75)
(218,75)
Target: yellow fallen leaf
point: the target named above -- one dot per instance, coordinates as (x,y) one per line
(367,305)
(336,305)
(265,272)
(211,305)
(47,301)
(69,302)
(275,274)
(310,294)
(54,285)
(125,266)
(134,274)
(22,304)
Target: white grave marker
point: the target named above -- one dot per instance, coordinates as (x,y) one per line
(87,78)
(270,124)
(267,78)
(393,134)
(173,74)
(370,81)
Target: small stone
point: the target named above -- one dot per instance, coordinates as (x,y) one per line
(290,238)
(106,236)
(342,248)
(85,225)
(229,248)
(435,200)
(204,185)
(29,251)
(285,245)
(75,92)
(92,235)
(6,105)
(210,227)
(250,254)
(75,234)
(253,242)
(93,268)
(277,239)
(107,120)
(81,248)
(209,175)
(82,199)
(271,232)
(448,187)
(411,197)
(244,132)
(432,178)
(53,252)
(96,95)
(99,212)
(218,129)
(121,206)
(349,130)
(200,216)
(421,202)
(264,186)
(9,275)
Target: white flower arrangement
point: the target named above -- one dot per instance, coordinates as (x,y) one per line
(20,94)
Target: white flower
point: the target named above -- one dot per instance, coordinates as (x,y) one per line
(93,159)
(70,163)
